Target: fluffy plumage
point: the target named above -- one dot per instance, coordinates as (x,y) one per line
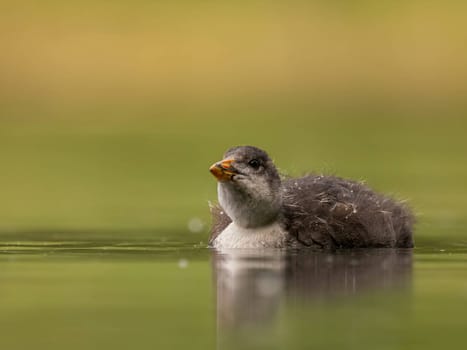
(314,211)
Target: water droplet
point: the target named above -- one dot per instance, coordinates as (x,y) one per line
(183,263)
(195,225)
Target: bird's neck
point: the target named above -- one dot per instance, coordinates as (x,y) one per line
(248,211)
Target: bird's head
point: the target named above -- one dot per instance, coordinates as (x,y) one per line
(248,186)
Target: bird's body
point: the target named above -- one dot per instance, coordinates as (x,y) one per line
(258,209)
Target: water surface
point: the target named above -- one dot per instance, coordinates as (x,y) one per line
(144,290)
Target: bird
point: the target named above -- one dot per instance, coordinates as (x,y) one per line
(260,208)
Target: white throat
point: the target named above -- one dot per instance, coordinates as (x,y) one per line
(247,211)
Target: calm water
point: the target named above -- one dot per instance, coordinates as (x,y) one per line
(142,290)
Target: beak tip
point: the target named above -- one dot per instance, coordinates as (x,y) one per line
(216,171)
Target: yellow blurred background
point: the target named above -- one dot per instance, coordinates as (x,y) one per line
(187,52)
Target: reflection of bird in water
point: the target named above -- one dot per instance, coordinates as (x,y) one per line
(251,285)
(258,209)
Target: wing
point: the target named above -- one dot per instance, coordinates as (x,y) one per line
(220,220)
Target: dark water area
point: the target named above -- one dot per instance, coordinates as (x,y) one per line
(144,290)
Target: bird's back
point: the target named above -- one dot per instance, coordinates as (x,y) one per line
(332,212)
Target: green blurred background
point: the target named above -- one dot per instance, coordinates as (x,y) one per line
(112,112)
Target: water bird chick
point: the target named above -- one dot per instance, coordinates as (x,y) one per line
(259,209)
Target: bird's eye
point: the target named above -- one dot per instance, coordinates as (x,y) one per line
(254,163)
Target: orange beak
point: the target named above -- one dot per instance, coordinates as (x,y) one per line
(223,170)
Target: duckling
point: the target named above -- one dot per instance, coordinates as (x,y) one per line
(260,209)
